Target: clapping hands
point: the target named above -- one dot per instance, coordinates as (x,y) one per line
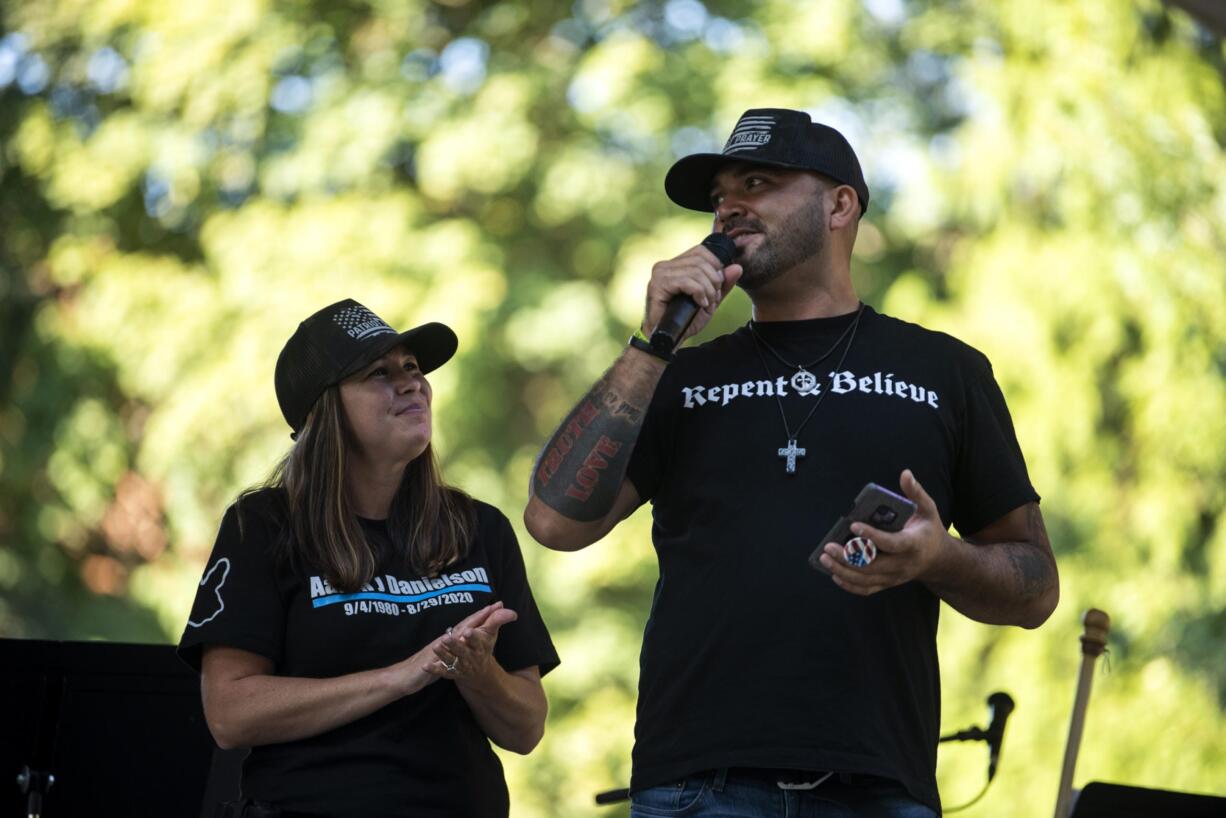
(465,654)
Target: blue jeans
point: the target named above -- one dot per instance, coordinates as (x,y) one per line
(736,794)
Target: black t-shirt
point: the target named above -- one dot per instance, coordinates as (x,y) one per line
(423,755)
(750,657)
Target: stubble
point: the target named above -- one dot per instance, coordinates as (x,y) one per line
(797,238)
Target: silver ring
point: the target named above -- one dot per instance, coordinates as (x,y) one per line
(451,668)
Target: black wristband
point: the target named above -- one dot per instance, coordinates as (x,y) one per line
(639,342)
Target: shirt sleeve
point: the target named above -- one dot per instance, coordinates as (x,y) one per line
(990,477)
(647,461)
(237,603)
(526,641)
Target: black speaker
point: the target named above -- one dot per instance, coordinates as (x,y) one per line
(1099,800)
(119,727)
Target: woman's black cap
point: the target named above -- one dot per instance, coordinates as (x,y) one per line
(339,340)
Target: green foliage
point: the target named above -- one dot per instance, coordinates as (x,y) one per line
(180,183)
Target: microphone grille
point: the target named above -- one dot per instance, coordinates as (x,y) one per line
(722,246)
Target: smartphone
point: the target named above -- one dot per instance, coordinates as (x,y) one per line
(877,506)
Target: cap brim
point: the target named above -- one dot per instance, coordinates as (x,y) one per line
(688,181)
(433,344)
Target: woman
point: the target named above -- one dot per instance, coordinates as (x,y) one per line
(365,629)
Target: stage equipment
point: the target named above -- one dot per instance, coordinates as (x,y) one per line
(117,728)
(1096,626)
(1099,800)
(1000,705)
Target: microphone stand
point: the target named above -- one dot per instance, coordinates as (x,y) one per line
(976,734)
(34,785)
(1093,642)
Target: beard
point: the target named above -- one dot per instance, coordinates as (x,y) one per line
(798,238)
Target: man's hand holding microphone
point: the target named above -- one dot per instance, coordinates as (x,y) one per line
(579,485)
(685,291)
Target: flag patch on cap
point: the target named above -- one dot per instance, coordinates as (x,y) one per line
(751,133)
(359,322)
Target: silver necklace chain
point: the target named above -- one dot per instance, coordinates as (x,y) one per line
(850,327)
(791,451)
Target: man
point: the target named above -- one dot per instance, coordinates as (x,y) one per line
(767,686)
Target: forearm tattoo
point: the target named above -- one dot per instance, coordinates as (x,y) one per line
(581,468)
(1032,568)
(1027,565)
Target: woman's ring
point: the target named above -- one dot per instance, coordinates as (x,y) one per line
(451,668)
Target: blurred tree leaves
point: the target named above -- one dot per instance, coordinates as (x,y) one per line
(181,183)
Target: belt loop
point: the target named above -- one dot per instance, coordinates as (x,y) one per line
(720,779)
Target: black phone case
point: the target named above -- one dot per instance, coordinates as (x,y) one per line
(877,506)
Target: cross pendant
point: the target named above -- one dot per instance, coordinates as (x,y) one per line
(791,452)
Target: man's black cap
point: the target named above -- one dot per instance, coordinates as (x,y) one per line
(769,136)
(339,340)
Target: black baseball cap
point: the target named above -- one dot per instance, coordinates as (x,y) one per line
(339,340)
(777,137)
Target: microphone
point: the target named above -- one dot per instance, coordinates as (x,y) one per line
(681,308)
(1001,705)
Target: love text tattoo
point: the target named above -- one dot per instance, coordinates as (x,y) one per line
(581,468)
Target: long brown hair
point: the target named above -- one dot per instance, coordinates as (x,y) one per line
(430,521)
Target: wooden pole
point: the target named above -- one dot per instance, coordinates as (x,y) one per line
(1093,642)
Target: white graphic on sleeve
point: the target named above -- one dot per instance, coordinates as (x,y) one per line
(841,383)
(224,564)
(388,594)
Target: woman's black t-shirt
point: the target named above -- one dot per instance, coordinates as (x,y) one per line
(422,755)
